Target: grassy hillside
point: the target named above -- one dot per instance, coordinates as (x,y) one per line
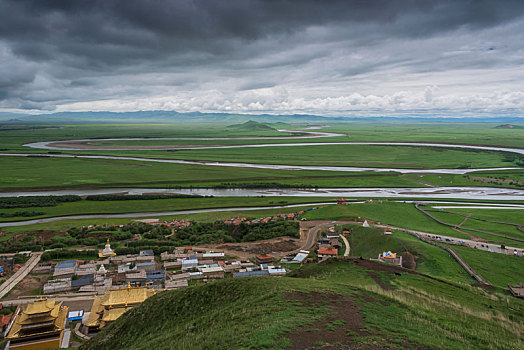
(336,304)
(425,258)
(251,125)
(500,270)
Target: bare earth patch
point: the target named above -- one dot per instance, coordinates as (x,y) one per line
(279,246)
(338,330)
(409,261)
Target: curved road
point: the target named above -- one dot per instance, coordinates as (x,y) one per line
(348,248)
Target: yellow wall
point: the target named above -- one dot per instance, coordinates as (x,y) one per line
(46,344)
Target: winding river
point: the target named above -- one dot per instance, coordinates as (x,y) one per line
(471,193)
(261,166)
(83,144)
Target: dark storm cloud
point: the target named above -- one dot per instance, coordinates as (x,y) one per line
(55,52)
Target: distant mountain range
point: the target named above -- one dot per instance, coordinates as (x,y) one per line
(198,117)
(509,126)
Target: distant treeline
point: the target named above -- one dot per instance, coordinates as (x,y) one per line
(218,232)
(51,201)
(21,214)
(129,197)
(36,201)
(70,254)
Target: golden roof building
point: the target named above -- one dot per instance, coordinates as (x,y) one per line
(114,304)
(39,325)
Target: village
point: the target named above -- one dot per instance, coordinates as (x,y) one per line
(82,296)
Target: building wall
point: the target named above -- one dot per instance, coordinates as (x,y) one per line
(53,343)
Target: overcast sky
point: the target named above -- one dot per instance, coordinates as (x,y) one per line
(323,57)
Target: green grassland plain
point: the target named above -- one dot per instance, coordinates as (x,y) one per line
(357,156)
(45,172)
(96,172)
(157,205)
(20,173)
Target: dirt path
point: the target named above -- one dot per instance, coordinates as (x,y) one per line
(342,324)
(426,212)
(463,221)
(346,252)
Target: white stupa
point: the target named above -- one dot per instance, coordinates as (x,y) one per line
(365,224)
(107,251)
(102,270)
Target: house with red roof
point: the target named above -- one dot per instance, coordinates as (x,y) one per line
(4,323)
(263,259)
(326,253)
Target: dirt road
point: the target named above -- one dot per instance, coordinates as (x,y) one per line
(346,253)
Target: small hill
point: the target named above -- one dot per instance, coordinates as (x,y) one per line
(338,304)
(251,126)
(509,126)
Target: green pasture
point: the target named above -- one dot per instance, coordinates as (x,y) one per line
(498,269)
(397,214)
(465,133)
(42,172)
(457,216)
(64,225)
(20,172)
(12,140)
(370,242)
(505,215)
(372,156)
(137,206)
(405,215)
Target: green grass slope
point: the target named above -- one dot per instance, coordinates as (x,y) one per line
(370,242)
(336,304)
(251,126)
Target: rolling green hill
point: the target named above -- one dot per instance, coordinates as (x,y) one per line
(509,126)
(337,304)
(251,126)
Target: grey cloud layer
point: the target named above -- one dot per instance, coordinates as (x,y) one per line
(241,55)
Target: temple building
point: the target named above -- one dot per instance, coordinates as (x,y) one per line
(38,325)
(107,251)
(114,304)
(390,258)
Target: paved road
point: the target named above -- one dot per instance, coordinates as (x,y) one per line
(319,226)
(20,274)
(346,253)
(490,247)
(66,339)
(313,234)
